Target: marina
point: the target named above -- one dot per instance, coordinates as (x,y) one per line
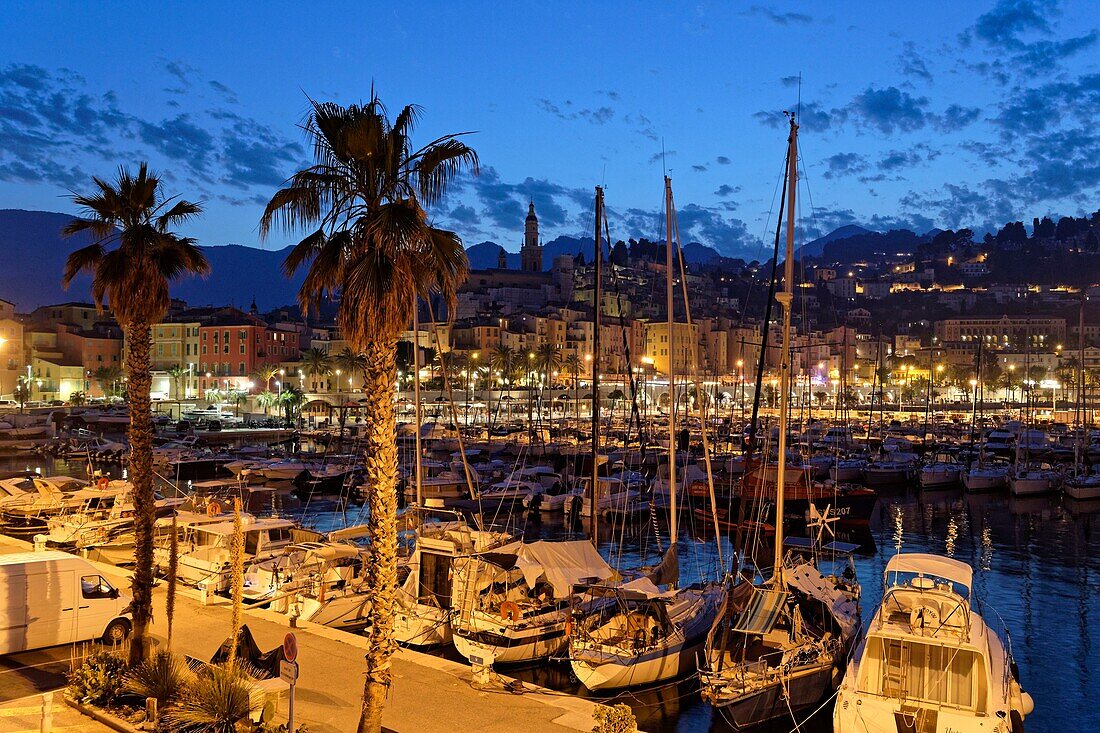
(422,368)
(1033,560)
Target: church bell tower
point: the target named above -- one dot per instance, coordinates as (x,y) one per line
(531,252)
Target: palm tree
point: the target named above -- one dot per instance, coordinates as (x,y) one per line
(374,245)
(264,374)
(350,362)
(176,372)
(133,259)
(266,399)
(572,367)
(316,362)
(502,361)
(108,378)
(548,359)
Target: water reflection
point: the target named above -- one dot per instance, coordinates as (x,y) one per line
(1037,562)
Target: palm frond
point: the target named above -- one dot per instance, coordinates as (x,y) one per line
(439,164)
(180,212)
(85,259)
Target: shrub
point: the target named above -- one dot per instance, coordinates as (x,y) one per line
(164,677)
(617,719)
(214,702)
(99,681)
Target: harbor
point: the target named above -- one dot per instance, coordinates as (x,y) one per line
(422,368)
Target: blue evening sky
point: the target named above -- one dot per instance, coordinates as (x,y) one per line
(930,114)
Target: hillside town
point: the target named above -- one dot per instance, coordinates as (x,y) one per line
(914,320)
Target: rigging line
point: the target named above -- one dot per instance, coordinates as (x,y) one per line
(454,416)
(764,339)
(698,386)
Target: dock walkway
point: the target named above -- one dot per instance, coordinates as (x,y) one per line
(428,693)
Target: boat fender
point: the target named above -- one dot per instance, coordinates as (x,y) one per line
(509,611)
(568,626)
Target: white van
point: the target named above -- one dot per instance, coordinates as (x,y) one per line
(52,598)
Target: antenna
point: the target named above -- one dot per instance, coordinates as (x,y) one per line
(798,109)
(664,163)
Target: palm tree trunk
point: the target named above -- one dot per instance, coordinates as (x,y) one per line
(141,475)
(381,474)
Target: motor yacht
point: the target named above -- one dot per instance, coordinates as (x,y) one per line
(929,662)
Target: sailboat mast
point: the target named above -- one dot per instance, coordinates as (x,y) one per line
(672,518)
(416,399)
(785,299)
(596,297)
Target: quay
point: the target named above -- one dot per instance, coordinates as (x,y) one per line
(428,693)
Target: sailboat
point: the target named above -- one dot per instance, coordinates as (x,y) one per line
(423,613)
(778,646)
(647,630)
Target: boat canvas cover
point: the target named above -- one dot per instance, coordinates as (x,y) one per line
(808,579)
(563,564)
(762,612)
(925,564)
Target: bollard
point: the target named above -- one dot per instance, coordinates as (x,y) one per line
(40,543)
(47,713)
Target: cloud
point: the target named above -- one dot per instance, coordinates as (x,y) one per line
(660,155)
(708,225)
(48,116)
(911,64)
(699,168)
(888,110)
(1043,107)
(956,117)
(463,214)
(181,71)
(844,164)
(812,117)
(229,95)
(722,160)
(255,155)
(779,18)
(726,190)
(790,81)
(179,139)
(565,111)
(1010,19)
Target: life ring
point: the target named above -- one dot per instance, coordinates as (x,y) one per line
(924,618)
(102,483)
(213,509)
(509,611)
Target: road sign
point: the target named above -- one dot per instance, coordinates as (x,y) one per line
(290,647)
(288,671)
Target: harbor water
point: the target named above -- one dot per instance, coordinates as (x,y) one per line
(1036,562)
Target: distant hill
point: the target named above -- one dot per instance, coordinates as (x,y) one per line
(33,252)
(817,246)
(869,244)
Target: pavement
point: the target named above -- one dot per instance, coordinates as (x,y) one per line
(24,715)
(428,693)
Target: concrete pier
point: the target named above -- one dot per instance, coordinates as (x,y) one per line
(428,693)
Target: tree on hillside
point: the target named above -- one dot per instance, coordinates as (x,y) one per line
(373,243)
(133,259)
